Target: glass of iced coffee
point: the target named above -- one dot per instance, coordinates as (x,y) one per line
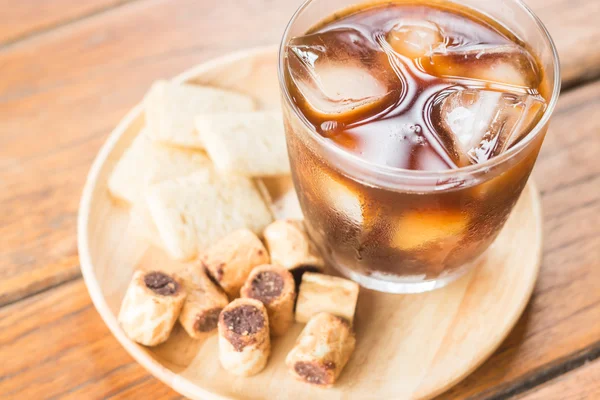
(412,128)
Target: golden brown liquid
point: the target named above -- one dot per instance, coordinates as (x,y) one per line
(396,119)
(404,127)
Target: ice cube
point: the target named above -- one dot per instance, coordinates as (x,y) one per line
(398,137)
(416,38)
(477,124)
(342,198)
(421,228)
(340,72)
(500,64)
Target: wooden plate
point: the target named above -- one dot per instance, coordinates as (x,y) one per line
(409,346)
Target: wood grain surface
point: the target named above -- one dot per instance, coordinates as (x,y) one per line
(580,384)
(59,347)
(24,18)
(66,90)
(577,36)
(67,81)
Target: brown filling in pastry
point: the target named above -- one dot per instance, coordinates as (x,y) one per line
(208,321)
(160,283)
(266,286)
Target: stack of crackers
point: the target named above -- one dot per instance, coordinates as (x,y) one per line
(188,175)
(192,180)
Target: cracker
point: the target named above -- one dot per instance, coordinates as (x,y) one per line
(143,225)
(170,109)
(245,143)
(145,162)
(193,212)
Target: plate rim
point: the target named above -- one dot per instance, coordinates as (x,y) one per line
(536,208)
(162,373)
(165,375)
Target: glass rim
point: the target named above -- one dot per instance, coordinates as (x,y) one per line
(394,172)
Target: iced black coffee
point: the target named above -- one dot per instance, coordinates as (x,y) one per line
(401,122)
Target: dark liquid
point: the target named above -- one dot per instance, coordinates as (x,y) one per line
(467,95)
(402,126)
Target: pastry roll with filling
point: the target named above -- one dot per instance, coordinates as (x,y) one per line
(274,286)
(244,342)
(324,293)
(231,259)
(290,247)
(205,301)
(322,350)
(151,306)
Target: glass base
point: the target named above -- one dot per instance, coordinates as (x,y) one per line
(392,284)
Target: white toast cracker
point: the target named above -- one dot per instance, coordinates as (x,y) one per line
(145,162)
(170,109)
(143,225)
(192,213)
(249,143)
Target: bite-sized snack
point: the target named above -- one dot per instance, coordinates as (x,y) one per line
(170,109)
(249,143)
(322,350)
(205,300)
(145,162)
(230,260)
(290,246)
(324,293)
(274,286)
(151,306)
(193,212)
(244,342)
(421,228)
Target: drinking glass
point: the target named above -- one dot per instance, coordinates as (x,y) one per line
(396,230)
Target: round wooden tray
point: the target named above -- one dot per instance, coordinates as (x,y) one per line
(408,346)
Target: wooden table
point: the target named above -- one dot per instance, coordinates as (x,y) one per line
(71,69)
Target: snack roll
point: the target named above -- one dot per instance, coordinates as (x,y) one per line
(290,246)
(324,293)
(151,306)
(231,259)
(244,343)
(322,350)
(274,286)
(205,301)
